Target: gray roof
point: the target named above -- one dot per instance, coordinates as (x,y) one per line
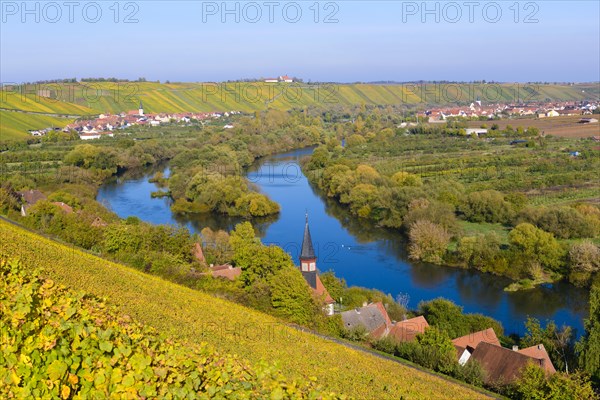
(370,317)
(307,247)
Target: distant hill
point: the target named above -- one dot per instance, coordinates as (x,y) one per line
(193,317)
(115,97)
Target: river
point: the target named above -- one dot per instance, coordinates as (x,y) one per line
(358,252)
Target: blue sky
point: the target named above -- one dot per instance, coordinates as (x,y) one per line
(371,40)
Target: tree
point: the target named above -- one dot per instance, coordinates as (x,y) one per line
(535,385)
(585,257)
(334,285)
(449,317)
(428,241)
(291,296)
(438,351)
(256,260)
(486,206)
(482,252)
(589,345)
(559,343)
(534,246)
(403,178)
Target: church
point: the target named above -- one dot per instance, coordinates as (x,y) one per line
(308,267)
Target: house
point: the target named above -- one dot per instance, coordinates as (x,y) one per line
(308,267)
(552,113)
(407,330)
(465,345)
(65,207)
(30,197)
(539,353)
(285,79)
(225,271)
(372,317)
(503,365)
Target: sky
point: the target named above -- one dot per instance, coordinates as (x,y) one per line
(333,41)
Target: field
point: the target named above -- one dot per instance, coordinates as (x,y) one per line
(194,317)
(15,125)
(567,126)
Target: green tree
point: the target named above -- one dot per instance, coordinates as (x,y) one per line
(334,285)
(449,317)
(486,206)
(403,178)
(559,343)
(589,345)
(534,246)
(291,296)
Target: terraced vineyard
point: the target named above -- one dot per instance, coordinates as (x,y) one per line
(194,317)
(116,97)
(15,125)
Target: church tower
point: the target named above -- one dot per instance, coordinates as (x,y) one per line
(141,110)
(308,260)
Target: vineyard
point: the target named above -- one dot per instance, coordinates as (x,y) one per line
(194,317)
(58,344)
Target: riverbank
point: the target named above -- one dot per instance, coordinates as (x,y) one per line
(360,253)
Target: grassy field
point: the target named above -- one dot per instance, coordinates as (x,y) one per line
(15,125)
(194,317)
(567,126)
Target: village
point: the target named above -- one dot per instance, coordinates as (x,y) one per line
(105,125)
(511,110)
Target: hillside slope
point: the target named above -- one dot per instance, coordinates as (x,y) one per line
(114,97)
(80,99)
(15,125)
(194,317)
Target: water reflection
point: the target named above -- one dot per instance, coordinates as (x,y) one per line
(360,252)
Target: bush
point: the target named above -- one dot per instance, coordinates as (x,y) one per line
(487,206)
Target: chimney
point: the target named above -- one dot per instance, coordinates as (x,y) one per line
(515,348)
(539,346)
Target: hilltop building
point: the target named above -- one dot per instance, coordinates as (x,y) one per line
(308,267)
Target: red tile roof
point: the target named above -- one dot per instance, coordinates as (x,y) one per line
(539,352)
(226,271)
(321,292)
(473,339)
(65,207)
(502,365)
(407,330)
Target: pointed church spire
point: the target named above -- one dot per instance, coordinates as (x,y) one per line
(307,247)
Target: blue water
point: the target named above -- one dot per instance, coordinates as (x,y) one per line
(358,252)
